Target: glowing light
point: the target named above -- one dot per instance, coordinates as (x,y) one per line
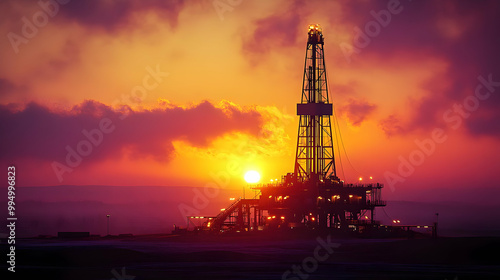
(350,196)
(319,197)
(282,217)
(371,177)
(274,217)
(252,177)
(223,209)
(312,219)
(232,198)
(361,179)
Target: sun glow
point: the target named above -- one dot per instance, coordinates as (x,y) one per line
(252,177)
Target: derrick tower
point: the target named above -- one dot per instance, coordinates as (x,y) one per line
(312,197)
(314,158)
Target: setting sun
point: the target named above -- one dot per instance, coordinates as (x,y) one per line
(252,177)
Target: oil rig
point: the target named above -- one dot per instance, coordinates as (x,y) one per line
(312,196)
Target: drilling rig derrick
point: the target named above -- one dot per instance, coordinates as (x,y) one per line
(312,196)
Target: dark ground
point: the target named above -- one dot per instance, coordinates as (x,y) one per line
(255,257)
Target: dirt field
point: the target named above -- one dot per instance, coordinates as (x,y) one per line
(257,257)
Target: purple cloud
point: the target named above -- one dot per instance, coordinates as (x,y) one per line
(462,33)
(357,110)
(36,132)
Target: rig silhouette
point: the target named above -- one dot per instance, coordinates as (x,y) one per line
(312,196)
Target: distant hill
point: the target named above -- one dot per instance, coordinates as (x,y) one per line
(151,209)
(136,210)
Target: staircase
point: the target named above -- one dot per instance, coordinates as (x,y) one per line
(222,216)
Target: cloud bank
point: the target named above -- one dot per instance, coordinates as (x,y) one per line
(37,132)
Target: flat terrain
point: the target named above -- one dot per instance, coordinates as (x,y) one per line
(257,257)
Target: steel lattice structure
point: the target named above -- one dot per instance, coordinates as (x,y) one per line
(314,156)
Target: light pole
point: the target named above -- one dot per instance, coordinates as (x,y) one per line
(107,216)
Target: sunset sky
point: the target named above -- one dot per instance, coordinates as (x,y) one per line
(189,93)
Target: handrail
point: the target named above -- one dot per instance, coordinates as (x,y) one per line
(227,210)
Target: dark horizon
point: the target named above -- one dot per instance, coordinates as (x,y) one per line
(154,210)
